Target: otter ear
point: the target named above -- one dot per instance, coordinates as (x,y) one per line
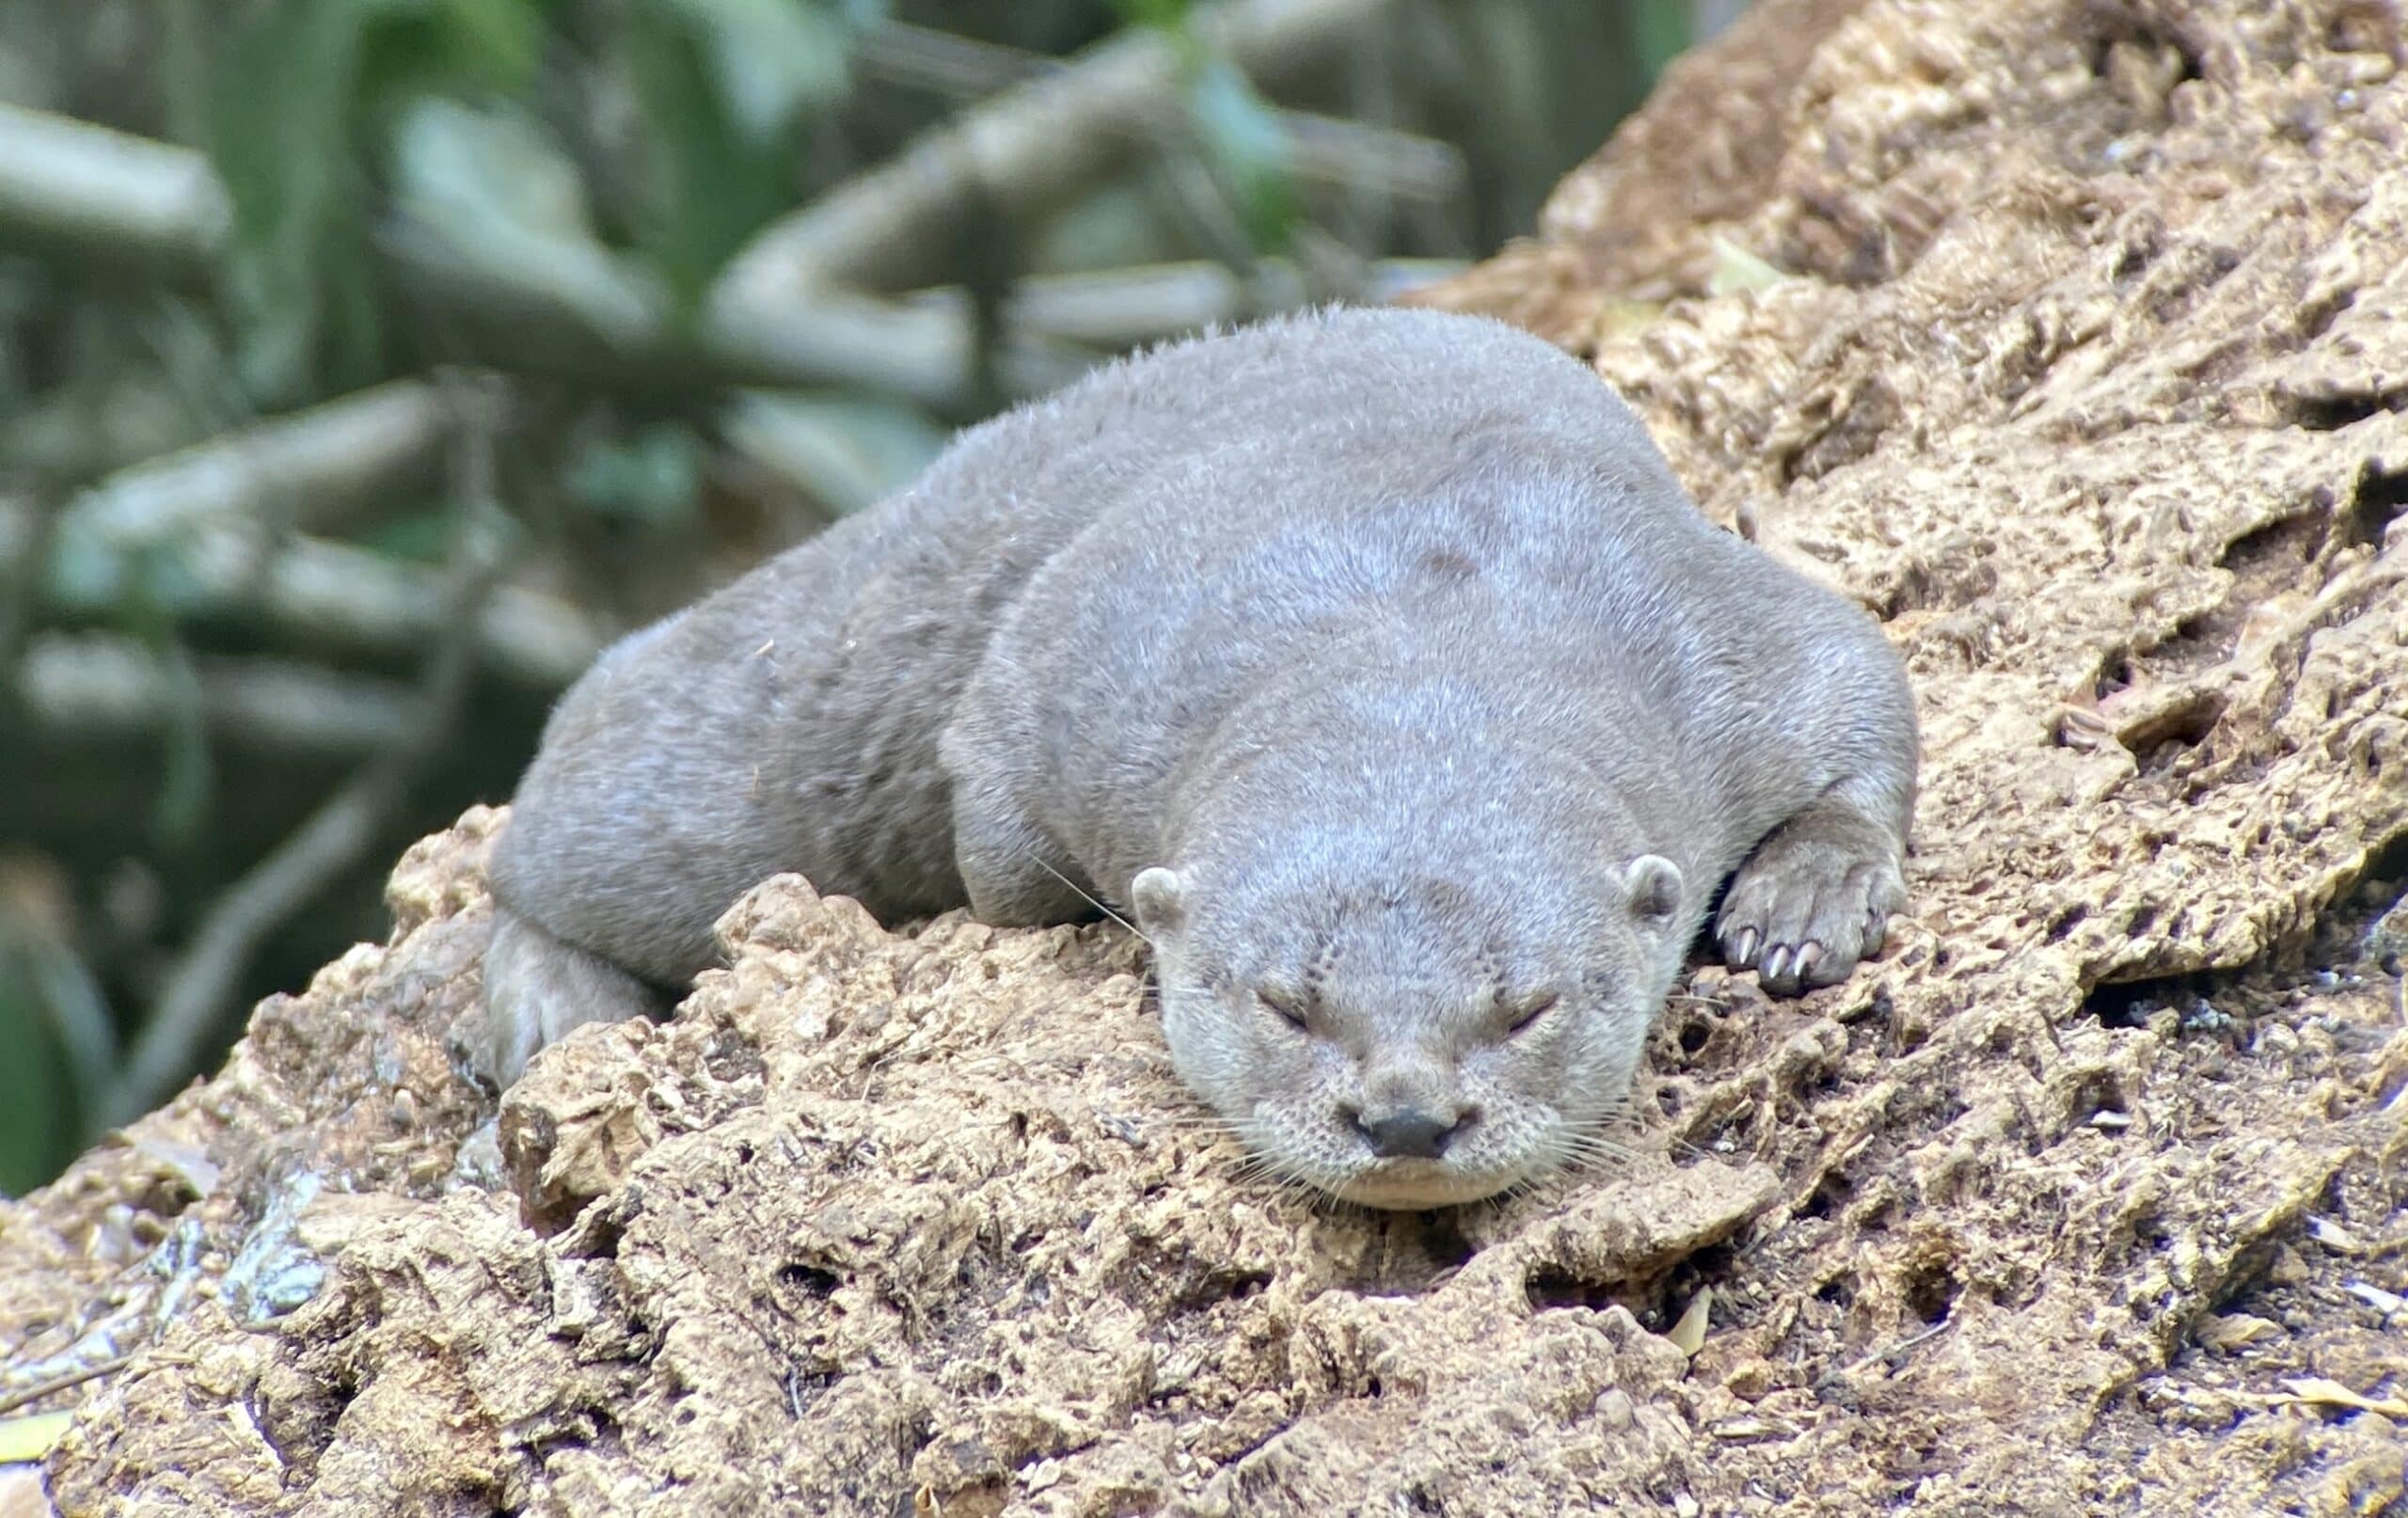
(1159,897)
(1654,886)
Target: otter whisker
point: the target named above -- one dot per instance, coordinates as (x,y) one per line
(1594,1142)
(1593,1155)
(1032,857)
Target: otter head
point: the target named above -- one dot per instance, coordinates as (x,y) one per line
(1408,1041)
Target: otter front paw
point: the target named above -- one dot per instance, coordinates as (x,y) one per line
(1807,905)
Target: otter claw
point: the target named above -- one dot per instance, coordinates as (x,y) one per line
(1813,901)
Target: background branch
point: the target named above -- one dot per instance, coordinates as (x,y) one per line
(97,687)
(73,189)
(1375,159)
(326,464)
(70,189)
(338,834)
(201,507)
(775,318)
(1026,150)
(1124,307)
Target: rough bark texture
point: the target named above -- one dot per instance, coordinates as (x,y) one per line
(2093,378)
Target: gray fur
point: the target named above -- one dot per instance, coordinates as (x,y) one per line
(1385,636)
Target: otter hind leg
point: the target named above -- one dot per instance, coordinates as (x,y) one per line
(538,988)
(1815,897)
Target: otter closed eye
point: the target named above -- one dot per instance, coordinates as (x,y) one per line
(1285,1007)
(1171,642)
(1522,1015)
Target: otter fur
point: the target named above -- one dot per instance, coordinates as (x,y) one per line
(1371,661)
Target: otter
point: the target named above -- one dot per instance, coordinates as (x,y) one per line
(1372,662)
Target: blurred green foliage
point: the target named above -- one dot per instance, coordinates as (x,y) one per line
(183,681)
(315,104)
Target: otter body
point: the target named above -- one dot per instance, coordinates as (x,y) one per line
(1373,661)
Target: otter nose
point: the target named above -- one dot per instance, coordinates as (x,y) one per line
(1409,1134)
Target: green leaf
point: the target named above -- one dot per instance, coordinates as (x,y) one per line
(708,185)
(772,60)
(280,134)
(650,480)
(504,37)
(421,537)
(297,84)
(466,171)
(1166,15)
(475,47)
(1736,270)
(32,1437)
(183,803)
(35,1117)
(510,204)
(1662,29)
(1248,150)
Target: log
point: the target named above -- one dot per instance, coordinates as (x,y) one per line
(2084,376)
